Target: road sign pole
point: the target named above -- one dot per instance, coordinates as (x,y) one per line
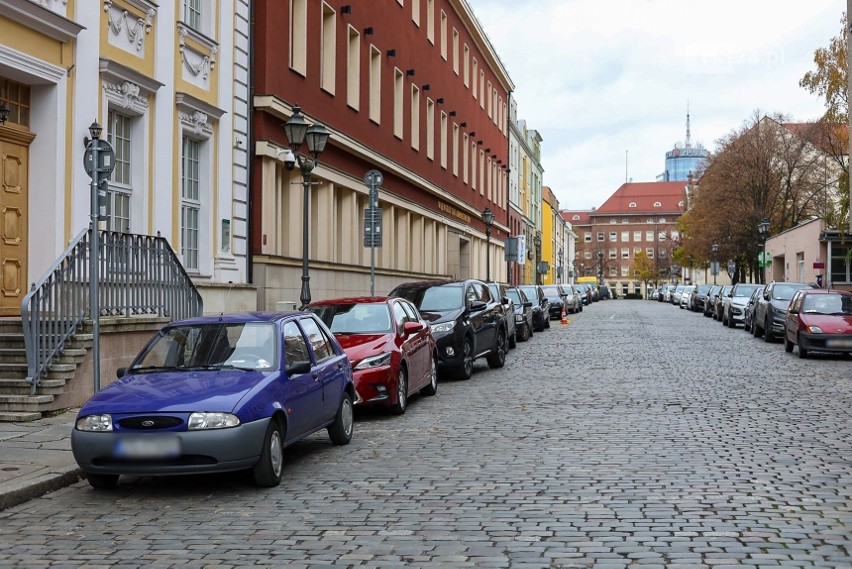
(94,253)
(373,179)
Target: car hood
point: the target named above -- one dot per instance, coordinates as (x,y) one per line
(780,305)
(828,323)
(437,316)
(740,300)
(209,390)
(360,346)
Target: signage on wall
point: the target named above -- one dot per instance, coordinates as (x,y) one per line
(455,212)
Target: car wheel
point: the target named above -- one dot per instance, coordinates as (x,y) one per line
(513,342)
(531,327)
(267,471)
(525,332)
(102,481)
(398,408)
(340,432)
(746,326)
(432,388)
(731,323)
(465,370)
(547,322)
(767,332)
(788,345)
(756,330)
(497,357)
(803,353)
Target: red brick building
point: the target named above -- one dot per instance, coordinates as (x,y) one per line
(640,216)
(411,88)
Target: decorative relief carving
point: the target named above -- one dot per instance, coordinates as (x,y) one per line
(127,95)
(197,121)
(120,19)
(203,66)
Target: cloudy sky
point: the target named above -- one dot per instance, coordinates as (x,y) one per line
(605,80)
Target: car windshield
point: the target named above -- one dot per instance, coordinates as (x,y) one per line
(530,292)
(551,291)
(433,298)
(249,345)
(786,291)
(827,304)
(745,290)
(360,318)
(513,294)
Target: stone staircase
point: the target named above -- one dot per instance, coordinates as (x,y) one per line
(17,403)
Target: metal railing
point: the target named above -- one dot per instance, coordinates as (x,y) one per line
(139,275)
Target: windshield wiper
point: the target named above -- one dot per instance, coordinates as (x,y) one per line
(147,369)
(232,366)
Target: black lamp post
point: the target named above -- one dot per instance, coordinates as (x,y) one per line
(298,131)
(4,112)
(560,271)
(537,243)
(763,229)
(488,220)
(714,249)
(600,267)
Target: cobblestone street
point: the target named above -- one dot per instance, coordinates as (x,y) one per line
(638,435)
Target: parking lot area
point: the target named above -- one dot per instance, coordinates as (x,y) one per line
(636,435)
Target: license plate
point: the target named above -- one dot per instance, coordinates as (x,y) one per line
(147,447)
(839,343)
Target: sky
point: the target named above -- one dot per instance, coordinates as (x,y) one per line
(607,82)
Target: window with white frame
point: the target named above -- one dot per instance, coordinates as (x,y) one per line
(455,150)
(625,270)
(328,48)
(192,14)
(398,95)
(443,135)
(625,236)
(430,129)
(662,253)
(190,204)
(613,236)
(613,254)
(587,236)
(637,250)
(662,236)
(587,254)
(375,85)
(625,253)
(430,21)
(649,236)
(415,12)
(353,69)
(601,237)
(466,56)
(455,51)
(475,78)
(119,194)
(444,35)
(613,271)
(415,117)
(637,236)
(465,158)
(650,252)
(299,36)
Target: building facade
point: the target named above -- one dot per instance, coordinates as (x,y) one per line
(168,84)
(411,88)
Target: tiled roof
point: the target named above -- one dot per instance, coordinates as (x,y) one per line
(645,198)
(814,133)
(576,217)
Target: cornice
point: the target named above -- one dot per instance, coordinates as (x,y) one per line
(120,74)
(483,43)
(187,102)
(41,19)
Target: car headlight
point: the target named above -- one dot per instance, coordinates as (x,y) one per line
(95,423)
(814,329)
(203,420)
(443,327)
(374,361)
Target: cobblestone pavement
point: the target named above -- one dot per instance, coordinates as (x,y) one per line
(639,435)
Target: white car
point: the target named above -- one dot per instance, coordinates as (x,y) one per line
(685,294)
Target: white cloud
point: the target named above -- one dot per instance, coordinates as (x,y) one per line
(598,78)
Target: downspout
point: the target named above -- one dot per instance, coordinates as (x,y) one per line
(250,149)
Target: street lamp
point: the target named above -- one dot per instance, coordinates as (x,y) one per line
(560,271)
(537,243)
(763,229)
(298,131)
(488,220)
(714,249)
(600,267)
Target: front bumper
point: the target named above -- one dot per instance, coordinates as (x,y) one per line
(836,343)
(450,350)
(374,386)
(214,450)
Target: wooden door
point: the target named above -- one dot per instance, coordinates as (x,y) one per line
(13,226)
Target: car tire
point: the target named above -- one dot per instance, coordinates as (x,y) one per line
(399,407)
(767,332)
(731,323)
(756,330)
(465,370)
(497,358)
(432,388)
(269,468)
(340,432)
(788,345)
(525,333)
(547,322)
(513,341)
(803,353)
(101,481)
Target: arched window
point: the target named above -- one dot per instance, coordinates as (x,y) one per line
(632,204)
(658,204)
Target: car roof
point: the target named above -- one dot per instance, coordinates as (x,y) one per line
(239,317)
(825,291)
(351,300)
(429,283)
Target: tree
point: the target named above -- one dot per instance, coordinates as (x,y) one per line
(645,268)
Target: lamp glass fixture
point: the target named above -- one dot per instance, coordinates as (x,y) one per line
(316,137)
(295,129)
(95,130)
(487,217)
(4,112)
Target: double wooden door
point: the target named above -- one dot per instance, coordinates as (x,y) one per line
(14,167)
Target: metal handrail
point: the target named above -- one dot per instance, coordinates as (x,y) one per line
(139,275)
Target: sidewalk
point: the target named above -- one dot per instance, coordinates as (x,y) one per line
(35,458)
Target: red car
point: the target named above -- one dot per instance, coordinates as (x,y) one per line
(389,345)
(819,320)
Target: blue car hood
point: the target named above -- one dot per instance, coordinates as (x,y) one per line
(176,391)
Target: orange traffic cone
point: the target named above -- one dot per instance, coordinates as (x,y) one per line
(564,321)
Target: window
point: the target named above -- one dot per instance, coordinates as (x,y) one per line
(637,236)
(322,347)
(455,150)
(625,236)
(662,236)
(625,253)
(662,220)
(192,14)
(481,89)
(398,94)
(415,117)
(650,220)
(576,218)
(443,135)
(600,237)
(415,12)
(637,250)
(455,51)
(613,236)
(650,252)
(625,271)
(658,204)
(375,85)
(493,93)
(466,64)
(613,221)
(399,315)
(119,135)
(475,78)
(444,35)
(587,237)
(613,254)
(295,348)
(465,164)
(430,129)
(473,161)
(190,206)
(649,236)
(430,21)
(625,220)
(298,35)
(662,253)
(328,48)
(353,69)
(632,204)
(587,254)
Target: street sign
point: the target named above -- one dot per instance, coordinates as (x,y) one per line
(714,268)
(106,159)
(510,252)
(373,178)
(373,227)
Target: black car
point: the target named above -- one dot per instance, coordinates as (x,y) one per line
(524,319)
(770,310)
(498,291)
(585,291)
(696,301)
(466,320)
(556,296)
(710,300)
(719,301)
(748,313)
(539,299)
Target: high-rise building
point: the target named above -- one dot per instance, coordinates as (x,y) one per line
(684,159)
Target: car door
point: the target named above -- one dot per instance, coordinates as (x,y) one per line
(329,369)
(493,314)
(477,319)
(422,352)
(303,396)
(791,320)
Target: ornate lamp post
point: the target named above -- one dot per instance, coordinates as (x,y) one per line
(298,131)
(488,220)
(537,243)
(714,249)
(600,267)
(763,229)
(559,272)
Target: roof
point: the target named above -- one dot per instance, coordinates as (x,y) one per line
(816,134)
(577,217)
(350,300)
(645,198)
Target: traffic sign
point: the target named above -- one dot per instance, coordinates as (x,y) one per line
(106,158)
(373,227)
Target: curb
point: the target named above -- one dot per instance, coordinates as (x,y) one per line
(15,493)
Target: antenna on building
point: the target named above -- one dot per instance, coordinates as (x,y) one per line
(688,136)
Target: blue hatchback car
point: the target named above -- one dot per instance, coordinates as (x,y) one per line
(218,394)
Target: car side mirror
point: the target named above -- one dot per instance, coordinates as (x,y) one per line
(120,372)
(299,367)
(477,306)
(505,300)
(527,304)
(411,328)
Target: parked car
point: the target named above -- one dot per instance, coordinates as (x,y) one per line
(498,291)
(718,302)
(770,311)
(685,294)
(604,292)
(389,345)
(710,300)
(733,308)
(466,321)
(572,295)
(524,319)
(819,320)
(676,293)
(699,296)
(559,300)
(748,311)
(217,394)
(585,291)
(538,298)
